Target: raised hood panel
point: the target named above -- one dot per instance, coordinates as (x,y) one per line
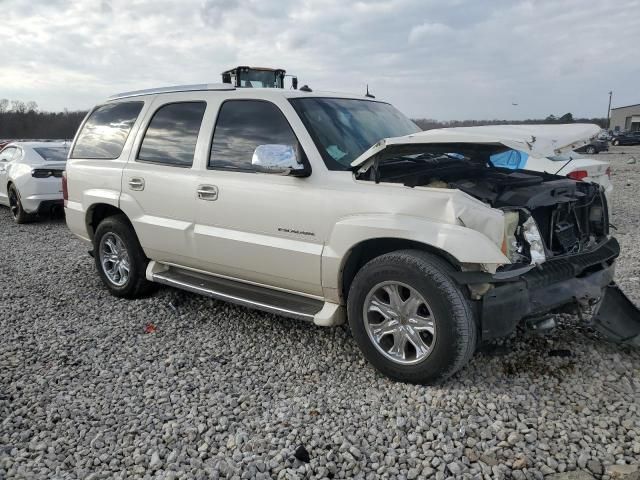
(536,140)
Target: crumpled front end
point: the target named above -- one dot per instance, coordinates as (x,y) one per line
(554,231)
(571,283)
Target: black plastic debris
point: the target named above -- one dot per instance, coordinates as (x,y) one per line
(495,350)
(561,352)
(302,454)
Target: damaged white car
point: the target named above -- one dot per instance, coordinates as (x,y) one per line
(275,199)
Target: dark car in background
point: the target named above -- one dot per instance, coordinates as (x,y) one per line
(626,138)
(594,147)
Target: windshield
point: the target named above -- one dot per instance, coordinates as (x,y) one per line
(259,79)
(343,129)
(53,154)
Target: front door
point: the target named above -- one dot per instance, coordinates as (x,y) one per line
(258,227)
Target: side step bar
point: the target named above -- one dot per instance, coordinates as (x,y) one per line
(252,296)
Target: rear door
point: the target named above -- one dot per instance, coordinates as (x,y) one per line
(158,182)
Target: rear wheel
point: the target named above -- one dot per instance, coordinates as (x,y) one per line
(615,142)
(409,317)
(15,205)
(591,150)
(119,258)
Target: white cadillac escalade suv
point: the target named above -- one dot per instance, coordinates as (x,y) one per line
(329,207)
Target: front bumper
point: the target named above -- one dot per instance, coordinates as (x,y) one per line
(578,279)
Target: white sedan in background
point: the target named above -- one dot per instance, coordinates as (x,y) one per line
(577,167)
(31,177)
(559,138)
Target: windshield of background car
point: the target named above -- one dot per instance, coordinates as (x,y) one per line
(53,154)
(343,129)
(259,79)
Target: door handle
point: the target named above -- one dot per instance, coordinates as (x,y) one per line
(207,192)
(136,184)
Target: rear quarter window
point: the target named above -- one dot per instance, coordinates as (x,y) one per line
(106,130)
(53,154)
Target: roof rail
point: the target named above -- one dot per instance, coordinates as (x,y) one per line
(177,88)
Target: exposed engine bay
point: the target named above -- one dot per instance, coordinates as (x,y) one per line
(545,215)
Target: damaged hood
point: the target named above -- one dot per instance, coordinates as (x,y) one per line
(536,140)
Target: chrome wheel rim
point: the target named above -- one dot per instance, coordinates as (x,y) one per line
(399,322)
(13,202)
(114,259)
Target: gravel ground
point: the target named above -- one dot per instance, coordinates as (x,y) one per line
(86,391)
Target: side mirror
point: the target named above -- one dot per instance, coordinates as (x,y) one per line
(294,82)
(278,159)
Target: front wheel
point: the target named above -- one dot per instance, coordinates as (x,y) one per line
(409,317)
(119,258)
(591,150)
(615,142)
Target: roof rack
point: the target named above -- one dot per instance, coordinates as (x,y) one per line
(176,88)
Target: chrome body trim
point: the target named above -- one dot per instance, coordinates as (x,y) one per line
(174,89)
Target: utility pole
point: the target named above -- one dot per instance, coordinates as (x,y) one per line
(609,111)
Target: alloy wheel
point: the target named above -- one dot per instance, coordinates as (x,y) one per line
(399,322)
(114,259)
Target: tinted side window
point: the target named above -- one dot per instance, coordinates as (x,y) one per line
(106,130)
(172,134)
(243,125)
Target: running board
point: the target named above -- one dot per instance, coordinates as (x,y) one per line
(251,296)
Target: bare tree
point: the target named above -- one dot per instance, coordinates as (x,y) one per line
(18,106)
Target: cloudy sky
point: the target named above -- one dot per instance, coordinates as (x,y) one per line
(453,59)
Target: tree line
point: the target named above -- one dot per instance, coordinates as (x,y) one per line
(429,123)
(23,120)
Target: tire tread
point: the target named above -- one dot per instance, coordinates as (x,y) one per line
(437,270)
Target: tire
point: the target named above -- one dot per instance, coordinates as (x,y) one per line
(452,340)
(116,248)
(615,142)
(591,150)
(15,206)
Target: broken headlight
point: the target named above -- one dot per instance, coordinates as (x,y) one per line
(510,245)
(532,236)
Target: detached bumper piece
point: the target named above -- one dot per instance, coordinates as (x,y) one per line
(578,279)
(617,318)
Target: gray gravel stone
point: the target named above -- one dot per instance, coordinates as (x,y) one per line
(219,391)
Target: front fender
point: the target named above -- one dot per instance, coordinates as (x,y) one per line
(462,243)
